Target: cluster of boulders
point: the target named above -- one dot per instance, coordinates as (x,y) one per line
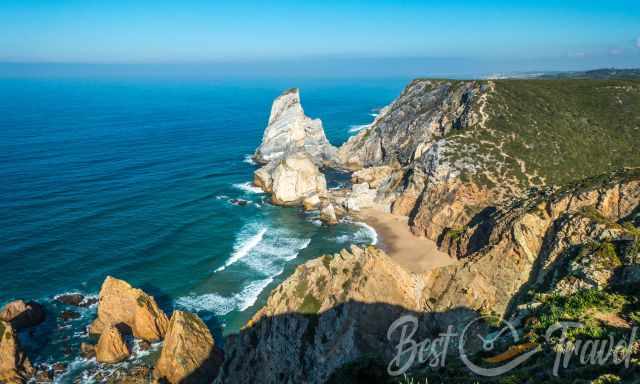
(188,355)
(294,148)
(293,152)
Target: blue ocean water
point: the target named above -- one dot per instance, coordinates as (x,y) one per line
(135,177)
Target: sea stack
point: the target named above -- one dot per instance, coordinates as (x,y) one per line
(293,149)
(290,130)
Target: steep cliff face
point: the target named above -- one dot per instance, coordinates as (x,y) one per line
(336,309)
(332,311)
(290,130)
(459,147)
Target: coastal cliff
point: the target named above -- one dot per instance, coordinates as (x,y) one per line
(531,187)
(334,311)
(496,173)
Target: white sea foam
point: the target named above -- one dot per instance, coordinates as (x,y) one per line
(264,250)
(356,128)
(248,239)
(373,114)
(222,305)
(248,187)
(372,234)
(249,160)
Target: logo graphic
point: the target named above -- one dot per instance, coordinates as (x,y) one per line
(513,357)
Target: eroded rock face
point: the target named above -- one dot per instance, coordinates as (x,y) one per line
(328,214)
(189,354)
(15,366)
(295,178)
(289,131)
(336,309)
(425,111)
(120,303)
(332,311)
(22,314)
(112,347)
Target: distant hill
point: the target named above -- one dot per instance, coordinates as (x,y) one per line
(596,74)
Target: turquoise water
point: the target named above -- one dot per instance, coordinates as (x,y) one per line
(134,177)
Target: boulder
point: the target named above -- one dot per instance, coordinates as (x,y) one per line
(328,214)
(361,197)
(189,354)
(22,314)
(15,366)
(87,350)
(310,203)
(69,315)
(75,299)
(295,178)
(289,130)
(112,347)
(120,303)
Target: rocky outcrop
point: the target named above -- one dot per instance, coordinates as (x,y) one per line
(120,303)
(15,367)
(292,179)
(290,131)
(328,214)
(335,310)
(425,111)
(76,300)
(112,347)
(189,353)
(22,314)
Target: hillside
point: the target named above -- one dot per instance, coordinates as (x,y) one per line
(596,74)
(479,143)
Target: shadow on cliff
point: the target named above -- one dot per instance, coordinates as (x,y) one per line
(347,343)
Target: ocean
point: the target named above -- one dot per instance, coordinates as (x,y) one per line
(137,177)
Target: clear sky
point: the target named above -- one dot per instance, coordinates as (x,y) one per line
(85,31)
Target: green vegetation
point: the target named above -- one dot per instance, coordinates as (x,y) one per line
(310,305)
(142,300)
(326,261)
(302,287)
(555,131)
(579,306)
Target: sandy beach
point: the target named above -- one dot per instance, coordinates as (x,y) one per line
(416,254)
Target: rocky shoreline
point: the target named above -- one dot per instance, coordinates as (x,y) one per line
(452,161)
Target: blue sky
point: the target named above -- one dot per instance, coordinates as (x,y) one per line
(554,32)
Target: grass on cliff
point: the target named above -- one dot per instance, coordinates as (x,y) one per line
(562,130)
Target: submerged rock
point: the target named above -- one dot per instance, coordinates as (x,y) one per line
(87,350)
(15,366)
(69,315)
(289,130)
(112,347)
(120,303)
(189,354)
(76,300)
(22,314)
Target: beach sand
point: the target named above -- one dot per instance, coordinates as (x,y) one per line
(415,254)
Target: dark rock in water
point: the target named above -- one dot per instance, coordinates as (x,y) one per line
(76,300)
(43,374)
(58,368)
(22,314)
(70,299)
(69,315)
(87,350)
(240,202)
(144,345)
